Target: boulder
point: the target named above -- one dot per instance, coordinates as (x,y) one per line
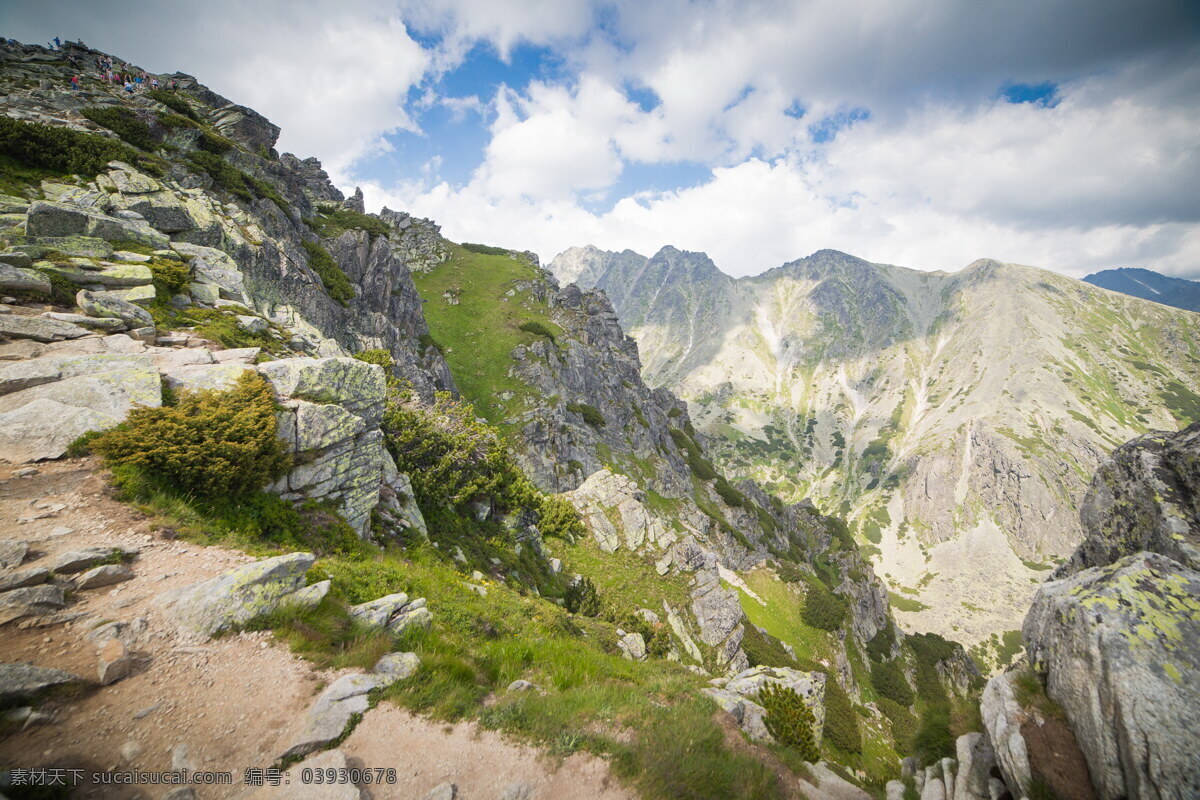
(975,763)
(238,596)
(215,268)
(1120,648)
(115,662)
(17,260)
(62,219)
(18,375)
(517,790)
(1002,718)
(21,578)
(293,787)
(78,246)
(106,575)
(196,377)
(31,601)
(17,279)
(356,386)
(718,612)
(738,695)
(397,666)
(104,304)
(1145,497)
(895,790)
(331,713)
(12,553)
(82,559)
(39,329)
(252,324)
(394,611)
(106,324)
(443,791)
(633,646)
(23,681)
(43,429)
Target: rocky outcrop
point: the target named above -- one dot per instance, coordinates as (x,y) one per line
(737,696)
(1120,648)
(395,612)
(614,510)
(23,681)
(240,595)
(1145,497)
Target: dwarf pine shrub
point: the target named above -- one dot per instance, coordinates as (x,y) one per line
(210,443)
(788,719)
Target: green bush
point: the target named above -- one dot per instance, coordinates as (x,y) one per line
(889,681)
(763,649)
(168,120)
(377,356)
(880,646)
(210,443)
(559,519)
(214,143)
(933,740)
(538,329)
(823,609)
(789,572)
(902,722)
(175,102)
(591,415)
(841,723)
(581,598)
(485,249)
(788,719)
(333,222)
(701,467)
(225,176)
(731,496)
(61,150)
(123,123)
(331,275)
(170,276)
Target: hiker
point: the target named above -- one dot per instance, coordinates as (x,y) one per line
(74,81)
(128,87)
(154,83)
(57,44)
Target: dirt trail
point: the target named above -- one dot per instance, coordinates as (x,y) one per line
(229,704)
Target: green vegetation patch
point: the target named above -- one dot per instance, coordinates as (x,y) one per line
(789,719)
(175,102)
(332,221)
(331,275)
(1183,403)
(62,151)
(591,415)
(124,123)
(229,178)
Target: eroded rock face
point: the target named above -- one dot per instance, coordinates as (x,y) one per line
(1120,648)
(1145,497)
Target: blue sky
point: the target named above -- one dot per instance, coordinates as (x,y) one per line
(929,133)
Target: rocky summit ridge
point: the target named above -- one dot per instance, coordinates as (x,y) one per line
(946,415)
(475,510)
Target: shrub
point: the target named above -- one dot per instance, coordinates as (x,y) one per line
(903,723)
(823,609)
(61,150)
(841,723)
(331,275)
(538,329)
(485,249)
(225,176)
(123,123)
(332,222)
(763,649)
(788,719)
(789,572)
(377,356)
(731,496)
(889,681)
(174,102)
(880,646)
(581,598)
(170,277)
(214,143)
(558,518)
(210,443)
(700,466)
(591,415)
(168,120)
(933,740)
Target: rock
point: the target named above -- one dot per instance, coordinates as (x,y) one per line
(718,612)
(556,565)
(737,697)
(311,595)
(115,662)
(517,790)
(43,429)
(180,793)
(1120,648)
(443,791)
(17,279)
(96,323)
(23,681)
(106,575)
(62,219)
(332,711)
(997,790)
(238,596)
(377,613)
(1145,497)
(205,293)
(397,666)
(633,646)
(948,767)
(117,276)
(137,258)
(79,560)
(292,787)
(26,577)
(648,616)
(895,790)
(354,385)
(197,377)
(520,685)
(16,260)
(1002,718)
(30,601)
(12,553)
(39,329)
(242,355)
(105,305)
(398,503)
(252,324)
(215,268)
(933,789)
(137,295)
(975,763)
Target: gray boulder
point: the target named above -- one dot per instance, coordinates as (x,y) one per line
(633,646)
(12,552)
(106,575)
(397,666)
(975,763)
(394,612)
(16,279)
(105,305)
(738,695)
(19,579)
(79,560)
(62,219)
(31,601)
(238,596)
(354,385)
(1003,718)
(331,713)
(1145,497)
(1120,648)
(39,329)
(22,681)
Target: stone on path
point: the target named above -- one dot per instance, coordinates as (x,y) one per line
(115,662)
(105,575)
(332,711)
(20,681)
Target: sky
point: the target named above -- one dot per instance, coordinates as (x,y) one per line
(1063,134)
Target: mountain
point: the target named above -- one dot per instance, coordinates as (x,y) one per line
(953,418)
(1149,285)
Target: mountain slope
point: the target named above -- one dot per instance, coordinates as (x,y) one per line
(953,418)
(1149,285)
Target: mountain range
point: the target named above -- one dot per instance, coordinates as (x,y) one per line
(1149,285)
(954,419)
